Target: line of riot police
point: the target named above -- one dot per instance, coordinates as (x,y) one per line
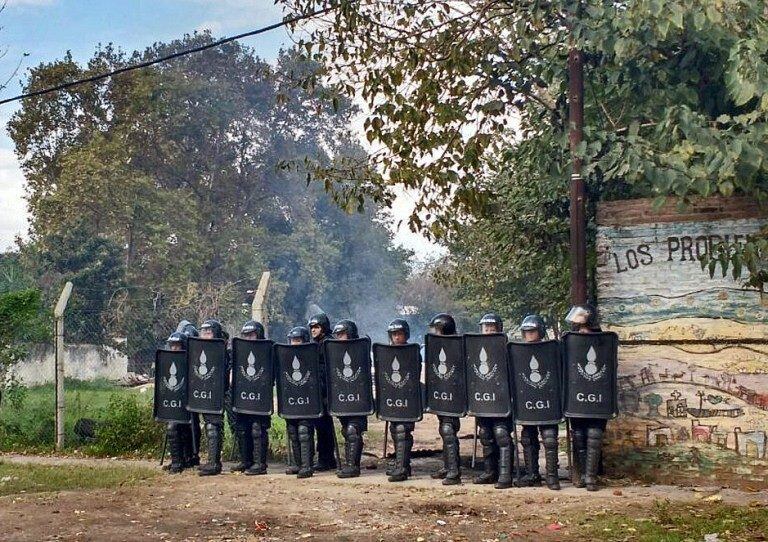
(320,373)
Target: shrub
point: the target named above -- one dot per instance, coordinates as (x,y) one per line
(127,427)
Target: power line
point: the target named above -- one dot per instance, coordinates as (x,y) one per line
(178,54)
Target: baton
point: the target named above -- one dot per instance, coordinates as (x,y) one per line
(335,444)
(165,444)
(386,435)
(474,446)
(569,451)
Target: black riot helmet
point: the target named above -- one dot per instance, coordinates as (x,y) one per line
(443,324)
(492,319)
(177,338)
(215,327)
(534,322)
(299,332)
(399,324)
(320,319)
(252,326)
(187,328)
(348,327)
(582,316)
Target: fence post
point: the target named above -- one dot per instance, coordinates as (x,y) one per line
(58,314)
(259,305)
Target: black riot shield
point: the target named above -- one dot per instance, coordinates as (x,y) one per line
(536,381)
(298,381)
(398,385)
(171,386)
(445,380)
(252,376)
(591,367)
(350,383)
(487,375)
(206,375)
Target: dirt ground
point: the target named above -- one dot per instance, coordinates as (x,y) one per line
(280,507)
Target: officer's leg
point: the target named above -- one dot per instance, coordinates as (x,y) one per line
(260,438)
(402,437)
(175,437)
(579,445)
(443,470)
(292,429)
(354,446)
(214,430)
(490,452)
(529,437)
(595,431)
(449,429)
(191,439)
(307,448)
(244,441)
(326,444)
(549,436)
(503,438)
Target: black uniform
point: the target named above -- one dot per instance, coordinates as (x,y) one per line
(301,432)
(252,429)
(214,423)
(529,436)
(326,438)
(183,438)
(449,426)
(495,433)
(586,433)
(401,432)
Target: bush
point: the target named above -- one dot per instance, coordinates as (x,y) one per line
(127,427)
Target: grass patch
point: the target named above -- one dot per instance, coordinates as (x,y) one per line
(667,522)
(30,478)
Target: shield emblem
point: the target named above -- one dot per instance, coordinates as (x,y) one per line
(487,375)
(252,376)
(591,371)
(206,375)
(536,382)
(171,387)
(350,383)
(298,381)
(398,384)
(445,369)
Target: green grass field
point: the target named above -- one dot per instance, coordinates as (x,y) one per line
(18,478)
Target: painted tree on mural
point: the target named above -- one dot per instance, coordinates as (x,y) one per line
(467,108)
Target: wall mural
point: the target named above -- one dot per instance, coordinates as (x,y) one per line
(693,365)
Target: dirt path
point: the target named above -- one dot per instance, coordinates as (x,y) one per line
(280,507)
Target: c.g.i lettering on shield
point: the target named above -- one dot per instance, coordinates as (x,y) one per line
(589,397)
(299,401)
(250,396)
(537,405)
(202,394)
(397,403)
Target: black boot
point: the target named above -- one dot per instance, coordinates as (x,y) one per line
(192,442)
(442,472)
(176,445)
(354,451)
(490,466)
(292,431)
(402,465)
(245,445)
(260,437)
(453,476)
(530,441)
(579,441)
(446,430)
(550,458)
(307,451)
(213,466)
(505,468)
(594,448)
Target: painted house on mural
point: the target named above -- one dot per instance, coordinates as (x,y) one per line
(693,365)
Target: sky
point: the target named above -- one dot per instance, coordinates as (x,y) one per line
(35,31)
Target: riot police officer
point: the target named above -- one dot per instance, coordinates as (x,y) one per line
(533,329)
(320,328)
(586,433)
(495,433)
(352,427)
(214,423)
(252,429)
(402,432)
(178,433)
(301,433)
(450,473)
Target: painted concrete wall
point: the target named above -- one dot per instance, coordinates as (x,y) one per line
(83,362)
(694,358)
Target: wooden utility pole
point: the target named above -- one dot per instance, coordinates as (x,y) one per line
(58,314)
(578,192)
(259,305)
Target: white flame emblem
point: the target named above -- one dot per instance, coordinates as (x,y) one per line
(396,376)
(442,368)
(347,371)
(203,367)
(535,375)
(172,381)
(251,370)
(296,375)
(591,368)
(484,368)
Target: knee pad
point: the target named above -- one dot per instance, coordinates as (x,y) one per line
(305,431)
(293,430)
(595,433)
(528,435)
(447,429)
(399,430)
(353,432)
(501,434)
